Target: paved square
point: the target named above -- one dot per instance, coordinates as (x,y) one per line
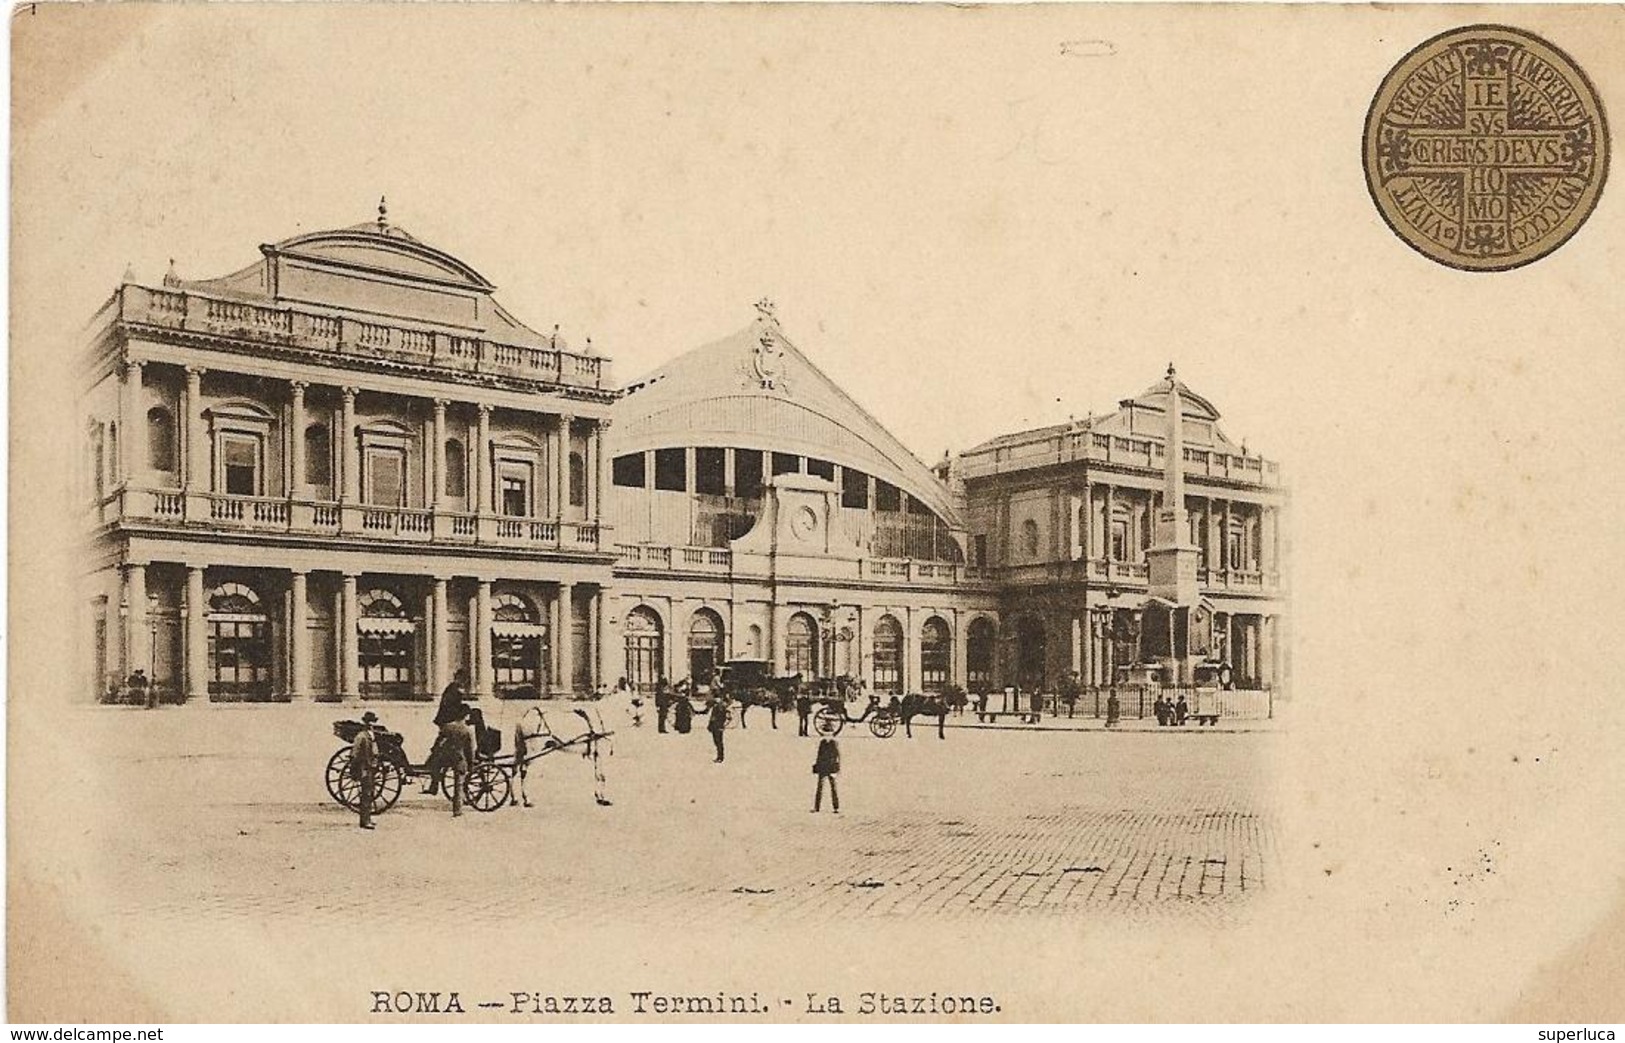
(221,813)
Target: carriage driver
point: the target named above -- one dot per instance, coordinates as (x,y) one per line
(453,708)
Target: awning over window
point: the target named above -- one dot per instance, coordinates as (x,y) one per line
(503,628)
(381,625)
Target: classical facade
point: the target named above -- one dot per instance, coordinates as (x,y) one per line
(1134,545)
(346,472)
(761,513)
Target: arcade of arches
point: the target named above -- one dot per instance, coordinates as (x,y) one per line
(267,635)
(816,644)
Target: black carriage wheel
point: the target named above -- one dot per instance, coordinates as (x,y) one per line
(829,721)
(338,769)
(488,787)
(883,725)
(348,791)
(387,785)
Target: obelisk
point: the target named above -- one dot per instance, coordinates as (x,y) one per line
(1172,559)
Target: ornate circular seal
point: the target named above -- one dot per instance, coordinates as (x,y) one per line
(1485,148)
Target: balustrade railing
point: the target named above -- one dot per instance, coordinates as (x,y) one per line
(329,334)
(411,523)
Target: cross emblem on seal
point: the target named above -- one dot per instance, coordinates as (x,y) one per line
(1485,148)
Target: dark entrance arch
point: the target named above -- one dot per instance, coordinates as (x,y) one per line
(1031,653)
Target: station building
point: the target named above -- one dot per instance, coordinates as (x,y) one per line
(346,471)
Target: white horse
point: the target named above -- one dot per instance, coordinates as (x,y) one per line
(539,732)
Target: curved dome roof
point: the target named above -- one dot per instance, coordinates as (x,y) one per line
(376,268)
(756,390)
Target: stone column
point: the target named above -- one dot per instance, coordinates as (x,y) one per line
(133,421)
(137,639)
(194,444)
(349,617)
(911,649)
(348,455)
(1077,646)
(728,470)
(437,458)
(440,667)
(1107,528)
(1225,564)
(197,635)
(296,440)
(590,477)
(865,640)
(555,627)
(567,654)
(597,619)
(298,638)
(482,679)
(482,463)
(561,468)
(778,638)
(961,623)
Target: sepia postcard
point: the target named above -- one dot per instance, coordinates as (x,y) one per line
(527,514)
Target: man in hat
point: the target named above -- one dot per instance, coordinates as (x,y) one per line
(453,708)
(364,766)
(717,720)
(460,756)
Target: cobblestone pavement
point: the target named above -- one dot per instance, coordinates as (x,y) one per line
(221,813)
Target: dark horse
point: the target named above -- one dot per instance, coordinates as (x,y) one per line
(923,706)
(779,694)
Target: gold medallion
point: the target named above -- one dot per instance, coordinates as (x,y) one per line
(1486,148)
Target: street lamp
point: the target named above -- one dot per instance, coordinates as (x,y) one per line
(152,649)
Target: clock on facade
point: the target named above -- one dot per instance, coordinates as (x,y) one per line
(804,523)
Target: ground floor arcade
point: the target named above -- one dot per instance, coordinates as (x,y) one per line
(249,632)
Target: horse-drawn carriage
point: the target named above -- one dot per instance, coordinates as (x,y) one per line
(882,718)
(490,780)
(487,786)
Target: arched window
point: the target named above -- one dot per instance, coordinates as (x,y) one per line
(753,642)
(386,641)
(456,468)
(801,646)
(705,646)
(645,650)
(239,645)
(1029,538)
(979,645)
(160,439)
(318,455)
(936,655)
(888,669)
(518,647)
(578,480)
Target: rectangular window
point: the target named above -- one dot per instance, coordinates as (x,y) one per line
(513,488)
(1119,541)
(386,477)
(786,463)
(979,550)
(822,468)
(710,471)
(629,471)
(747,473)
(854,488)
(240,463)
(887,497)
(671,470)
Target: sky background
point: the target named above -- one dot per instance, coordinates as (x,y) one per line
(975,220)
